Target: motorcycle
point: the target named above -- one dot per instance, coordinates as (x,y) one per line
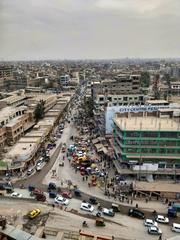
(84,224)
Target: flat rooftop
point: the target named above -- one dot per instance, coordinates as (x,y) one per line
(12,99)
(8,111)
(157,102)
(30,139)
(22,151)
(156,187)
(13,122)
(146,124)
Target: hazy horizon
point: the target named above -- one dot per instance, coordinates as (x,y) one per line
(89,29)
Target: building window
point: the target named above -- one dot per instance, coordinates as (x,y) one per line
(124,98)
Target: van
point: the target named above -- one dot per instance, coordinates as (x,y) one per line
(30,171)
(175,227)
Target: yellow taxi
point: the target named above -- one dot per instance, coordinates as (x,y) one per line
(34,213)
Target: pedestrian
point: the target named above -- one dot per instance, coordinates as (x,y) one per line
(131,201)
(160,237)
(86,177)
(83,178)
(89,184)
(146,199)
(136,205)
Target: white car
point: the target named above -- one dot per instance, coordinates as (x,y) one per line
(154,230)
(39,167)
(61,200)
(15,194)
(162,219)
(87,207)
(176,227)
(150,223)
(108,212)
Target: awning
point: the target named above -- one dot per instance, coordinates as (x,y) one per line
(96,140)
(98,146)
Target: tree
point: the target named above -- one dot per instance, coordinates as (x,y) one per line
(39,110)
(88,107)
(145,79)
(167,78)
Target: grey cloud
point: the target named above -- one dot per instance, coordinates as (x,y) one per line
(88,29)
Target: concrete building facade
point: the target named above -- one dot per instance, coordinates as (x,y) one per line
(147,139)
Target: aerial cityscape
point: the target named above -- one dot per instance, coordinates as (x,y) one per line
(89,120)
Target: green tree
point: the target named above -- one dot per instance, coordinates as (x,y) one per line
(39,110)
(145,79)
(88,107)
(167,78)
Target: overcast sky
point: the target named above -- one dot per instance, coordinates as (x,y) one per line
(83,29)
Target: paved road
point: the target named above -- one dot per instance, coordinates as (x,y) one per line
(123,226)
(37,178)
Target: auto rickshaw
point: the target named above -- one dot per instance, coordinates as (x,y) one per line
(115,207)
(100,222)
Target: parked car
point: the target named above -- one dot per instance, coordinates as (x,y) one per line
(93,200)
(87,207)
(67,194)
(30,171)
(39,167)
(150,223)
(77,193)
(15,194)
(162,219)
(52,186)
(34,213)
(61,200)
(154,230)
(175,227)
(52,194)
(108,212)
(115,207)
(136,213)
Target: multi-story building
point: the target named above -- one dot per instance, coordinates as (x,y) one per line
(64,80)
(147,139)
(6,76)
(48,99)
(9,113)
(175,88)
(2,137)
(123,90)
(13,101)
(123,84)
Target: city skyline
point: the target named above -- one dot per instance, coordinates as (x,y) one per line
(92,29)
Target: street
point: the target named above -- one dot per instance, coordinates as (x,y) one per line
(118,226)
